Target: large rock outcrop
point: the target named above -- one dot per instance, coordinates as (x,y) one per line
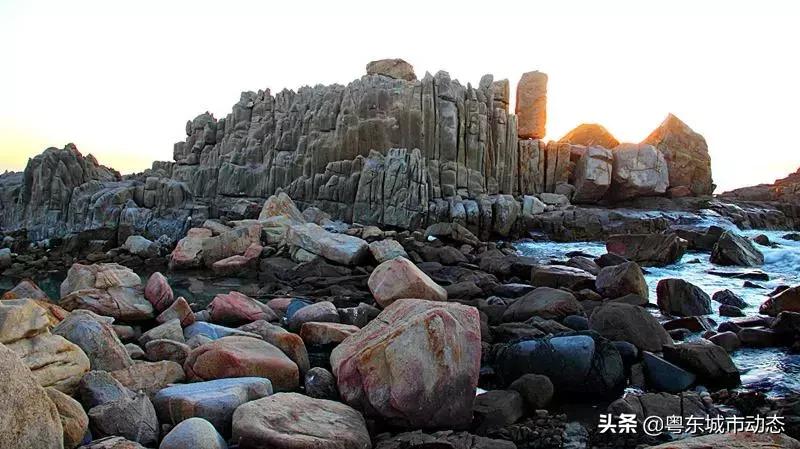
(686,154)
(639,170)
(590,134)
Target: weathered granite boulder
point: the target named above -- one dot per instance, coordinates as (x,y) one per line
(179,310)
(545,302)
(375,363)
(232,243)
(787,300)
(686,154)
(291,344)
(531,107)
(30,418)
(400,278)
(193,433)
(107,289)
(53,360)
(590,134)
(133,418)
(340,248)
(383,250)
(237,356)
(592,175)
(235,308)
(393,68)
(634,324)
(140,246)
(648,249)
(638,170)
(213,400)
(74,421)
(281,205)
(149,377)
(558,276)
(733,249)
(188,251)
(158,292)
(95,336)
(710,363)
(295,421)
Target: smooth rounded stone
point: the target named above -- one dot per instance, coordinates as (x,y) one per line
(787,300)
(622,279)
(512,290)
(53,360)
(393,68)
(235,309)
(295,421)
(638,170)
(212,331)
(74,421)
(388,249)
(650,250)
(741,440)
(213,400)
(28,415)
(375,363)
(463,290)
(107,289)
(193,433)
(321,312)
(95,336)
(576,364)
(730,311)
(531,105)
(727,297)
(242,357)
(759,337)
(157,350)
(171,330)
(158,292)
(537,390)
(576,322)
(733,249)
(557,276)
(150,377)
(291,344)
(100,387)
(133,418)
(320,384)
(710,363)
(727,340)
(112,443)
(340,248)
(662,375)
(544,302)
(399,278)
(135,351)
(315,333)
(680,298)
(496,409)
(620,321)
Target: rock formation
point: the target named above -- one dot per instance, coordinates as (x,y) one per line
(785,190)
(686,153)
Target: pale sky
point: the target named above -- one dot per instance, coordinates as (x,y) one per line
(120,81)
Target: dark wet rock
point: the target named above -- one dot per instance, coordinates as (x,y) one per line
(619,280)
(701,241)
(756,275)
(745,440)
(320,384)
(664,376)
(787,300)
(755,337)
(680,334)
(495,409)
(444,439)
(214,400)
(727,340)
(577,364)
(544,302)
(648,249)
(536,389)
(576,322)
(730,311)
(691,323)
(787,324)
(710,363)
(661,405)
(610,259)
(557,276)
(512,290)
(618,321)
(729,298)
(733,249)
(681,298)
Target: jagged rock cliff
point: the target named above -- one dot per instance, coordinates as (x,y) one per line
(387,149)
(785,190)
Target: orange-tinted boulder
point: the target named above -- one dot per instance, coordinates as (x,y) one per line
(399,278)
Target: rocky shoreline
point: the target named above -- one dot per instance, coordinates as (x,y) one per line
(336,268)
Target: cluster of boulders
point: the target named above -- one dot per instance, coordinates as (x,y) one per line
(362,338)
